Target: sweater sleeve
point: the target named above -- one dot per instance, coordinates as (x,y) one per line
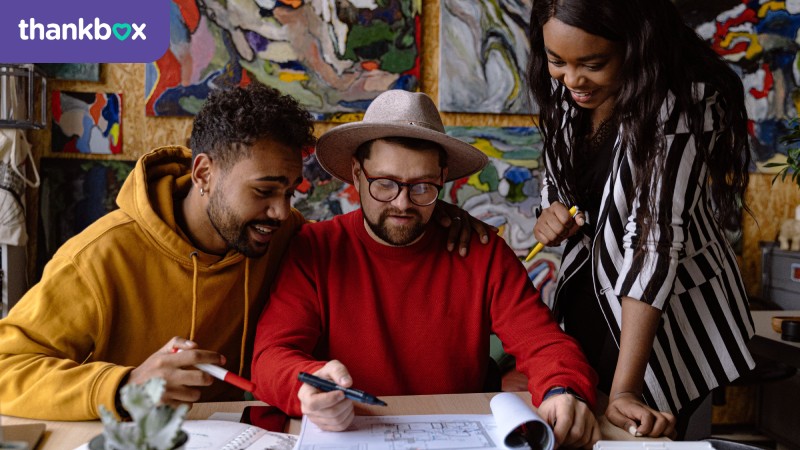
(288,331)
(679,187)
(525,326)
(45,343)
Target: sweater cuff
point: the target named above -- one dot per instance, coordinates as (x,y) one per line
(106,388)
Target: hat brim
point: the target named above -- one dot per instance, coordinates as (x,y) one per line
(335,148)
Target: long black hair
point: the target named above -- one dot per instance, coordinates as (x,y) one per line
(661,54)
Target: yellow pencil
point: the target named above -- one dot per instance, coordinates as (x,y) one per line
(539,246)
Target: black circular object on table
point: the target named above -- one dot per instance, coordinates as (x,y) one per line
(790,330)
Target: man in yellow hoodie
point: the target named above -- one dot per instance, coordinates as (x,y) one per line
(190,252)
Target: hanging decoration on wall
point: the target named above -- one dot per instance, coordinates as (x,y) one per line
(87,122)
(334,57)
(760,40)
(484,56)
(75,193)
(78,71)
(504,194)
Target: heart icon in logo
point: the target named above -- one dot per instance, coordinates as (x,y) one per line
(121,30)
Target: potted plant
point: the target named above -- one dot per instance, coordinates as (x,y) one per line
(789,233)
(791,167)
(152,426)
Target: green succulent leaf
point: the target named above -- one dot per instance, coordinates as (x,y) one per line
(153,426)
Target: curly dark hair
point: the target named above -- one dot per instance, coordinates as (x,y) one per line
(233,120)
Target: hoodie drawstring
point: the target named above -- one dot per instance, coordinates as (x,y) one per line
(194,295)
(246,306)
(246,313)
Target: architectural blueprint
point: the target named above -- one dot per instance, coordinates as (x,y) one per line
(462,431)
(512,422)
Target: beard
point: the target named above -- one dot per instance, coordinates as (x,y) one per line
(233,231)
(397,235)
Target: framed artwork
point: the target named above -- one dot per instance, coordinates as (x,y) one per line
(87,122)
(73,194)
(78,71)
(760,40)
(484,56)
(333,57)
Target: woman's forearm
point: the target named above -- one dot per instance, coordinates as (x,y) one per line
(639,324)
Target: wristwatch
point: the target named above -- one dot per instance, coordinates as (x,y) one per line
(558,390)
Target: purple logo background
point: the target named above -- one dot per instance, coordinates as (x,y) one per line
(154,13)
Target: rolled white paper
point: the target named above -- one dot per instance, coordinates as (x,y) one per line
(510,414)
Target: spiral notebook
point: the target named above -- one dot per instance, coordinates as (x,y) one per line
(224,435)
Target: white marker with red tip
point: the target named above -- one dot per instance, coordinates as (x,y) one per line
(224,375)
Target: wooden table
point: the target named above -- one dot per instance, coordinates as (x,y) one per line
(69,435)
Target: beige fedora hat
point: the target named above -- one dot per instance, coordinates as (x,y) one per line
(396,113)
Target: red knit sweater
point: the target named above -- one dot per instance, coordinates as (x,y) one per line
(406,320)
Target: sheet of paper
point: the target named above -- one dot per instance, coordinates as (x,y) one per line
(442,431)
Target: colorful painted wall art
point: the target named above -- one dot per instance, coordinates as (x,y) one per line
(483,56)
(87,122)
(334,57)
(74,193)
(320,196)
(760,39)
(79,71)
(506,192)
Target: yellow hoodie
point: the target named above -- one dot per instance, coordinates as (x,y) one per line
(121,289)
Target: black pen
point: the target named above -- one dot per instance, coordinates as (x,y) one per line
(327,386)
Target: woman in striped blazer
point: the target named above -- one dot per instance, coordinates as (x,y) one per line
(645,130)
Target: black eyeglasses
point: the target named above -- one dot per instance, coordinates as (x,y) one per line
(385,189)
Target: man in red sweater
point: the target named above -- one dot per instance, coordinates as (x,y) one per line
(367,297)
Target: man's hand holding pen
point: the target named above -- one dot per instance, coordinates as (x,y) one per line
(331,411)
(184,381)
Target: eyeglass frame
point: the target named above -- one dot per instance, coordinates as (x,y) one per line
(400,185)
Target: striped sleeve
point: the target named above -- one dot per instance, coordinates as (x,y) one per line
(549,189)
(680,184)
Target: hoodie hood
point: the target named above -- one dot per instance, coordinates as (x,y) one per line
(160,180)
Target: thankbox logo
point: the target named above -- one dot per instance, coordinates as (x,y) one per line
(32,30)
(86,31)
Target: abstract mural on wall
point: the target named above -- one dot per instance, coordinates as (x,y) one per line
(760,40)
(333,56)
(77,71)
(87,122)
(504,194)
(320,196)
(484,55)
(74,193)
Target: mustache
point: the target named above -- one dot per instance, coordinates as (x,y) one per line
(394,211)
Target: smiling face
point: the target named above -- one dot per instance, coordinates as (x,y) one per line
(398,222)
(251,198)
(588,65)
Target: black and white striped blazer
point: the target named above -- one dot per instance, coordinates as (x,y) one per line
(694,279)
